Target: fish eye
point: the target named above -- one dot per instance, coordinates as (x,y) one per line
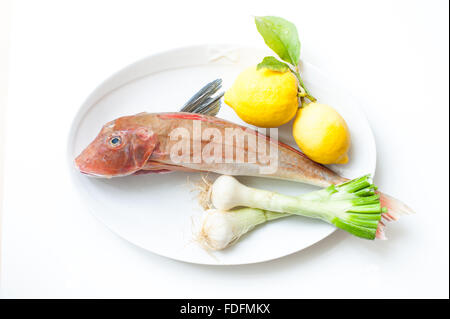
(115,141)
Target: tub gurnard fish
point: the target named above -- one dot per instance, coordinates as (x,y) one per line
(141,143)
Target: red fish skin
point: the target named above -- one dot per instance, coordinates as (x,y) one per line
(291,165)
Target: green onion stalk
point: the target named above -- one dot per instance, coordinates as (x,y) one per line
(353,206)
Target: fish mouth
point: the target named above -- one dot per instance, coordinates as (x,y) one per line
(82,169)
(94,175)
(89,173)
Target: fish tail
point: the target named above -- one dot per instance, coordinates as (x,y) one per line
(380,231)
(203,102)
(394,209)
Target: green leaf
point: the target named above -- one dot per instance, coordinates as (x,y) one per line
(271,63)
(281,36)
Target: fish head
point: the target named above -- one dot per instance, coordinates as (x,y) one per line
(117,151)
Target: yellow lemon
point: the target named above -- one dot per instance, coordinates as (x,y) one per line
(322,134)
(263,97)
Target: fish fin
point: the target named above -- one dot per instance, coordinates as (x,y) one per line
(203,101)
(380,231)
(158,171)
(395,208)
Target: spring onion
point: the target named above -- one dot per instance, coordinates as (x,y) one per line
(221,228)
(353,206)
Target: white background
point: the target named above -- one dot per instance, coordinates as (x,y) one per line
(391,54)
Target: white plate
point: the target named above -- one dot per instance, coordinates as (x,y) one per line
(156,211)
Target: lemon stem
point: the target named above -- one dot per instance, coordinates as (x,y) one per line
(303,91)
